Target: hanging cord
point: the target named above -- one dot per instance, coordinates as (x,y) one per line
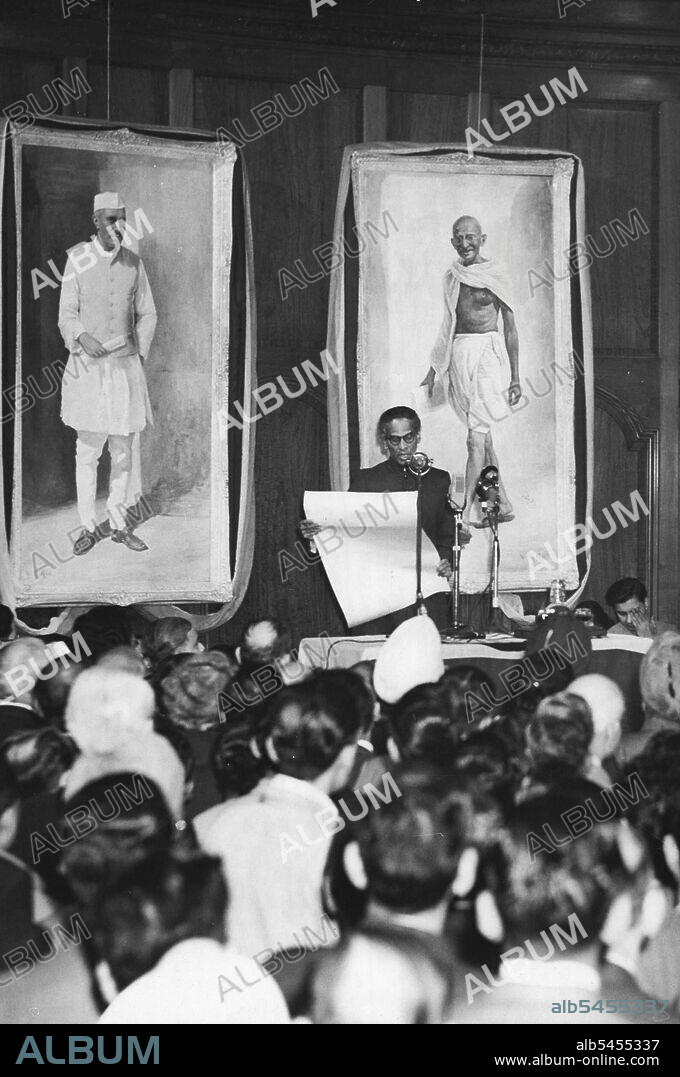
(108,60)
(481,71)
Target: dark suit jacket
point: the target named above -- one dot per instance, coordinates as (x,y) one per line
(390,477)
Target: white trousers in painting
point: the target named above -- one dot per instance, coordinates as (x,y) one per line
(89,447)
(106,401)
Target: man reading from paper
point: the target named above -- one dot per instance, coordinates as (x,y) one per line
(107,318)
(470,354)
(399,434)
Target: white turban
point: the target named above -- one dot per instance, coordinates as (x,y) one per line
(412,655)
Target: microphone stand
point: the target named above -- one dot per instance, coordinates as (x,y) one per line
(491,512)
(421,608)
(457,629)
(419,465)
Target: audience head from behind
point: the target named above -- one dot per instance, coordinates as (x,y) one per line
(467,690)
(488,760)
(557,904)
(131,821)
(107,707)
(421,728)
(311,731)
(660,681)
(607,709)
(412,655)
(189,692)
(408,856)
(51,695)
(308,731)
(161,937)
(110,717)
(380,977)
(657,812)
(558,646)
(21,664)
(170,636)
(126,658)
(165,899)
(265,643)
(558,738)
(37,761)
(105,627)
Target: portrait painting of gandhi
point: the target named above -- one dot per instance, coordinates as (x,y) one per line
(448,324)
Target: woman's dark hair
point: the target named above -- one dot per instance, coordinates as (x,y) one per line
(537,888)
(104,627)
(559,736)
(127,830)
(238,759)
(170,897)
(422,727)
(164,636)
(486,761)
(345,681)
(37,760)
(51,695)
(300,732)
(467,690)
(411,847)
(658,812)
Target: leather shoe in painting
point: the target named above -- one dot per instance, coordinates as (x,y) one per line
(85,541)
(129,540)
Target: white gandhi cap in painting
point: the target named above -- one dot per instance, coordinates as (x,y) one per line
(108,200)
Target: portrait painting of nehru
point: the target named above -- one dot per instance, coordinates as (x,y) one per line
(473,359)
(107,318)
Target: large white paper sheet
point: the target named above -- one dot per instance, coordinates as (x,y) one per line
(368,549)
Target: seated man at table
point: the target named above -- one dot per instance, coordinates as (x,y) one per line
(628,599)
(399,435)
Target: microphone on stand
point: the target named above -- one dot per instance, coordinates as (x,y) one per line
(420,463)
(487,489)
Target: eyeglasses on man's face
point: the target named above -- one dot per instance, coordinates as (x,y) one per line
(395,440)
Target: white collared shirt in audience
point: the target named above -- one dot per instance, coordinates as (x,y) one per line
(200,982)
(273,849)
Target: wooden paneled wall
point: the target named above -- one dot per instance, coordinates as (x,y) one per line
(626,129)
